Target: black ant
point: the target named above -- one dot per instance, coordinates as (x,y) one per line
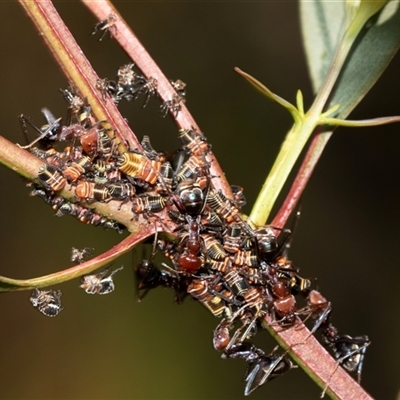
(261,368)
(148,277)
(348,351)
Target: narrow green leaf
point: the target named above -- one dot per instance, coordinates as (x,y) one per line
(323,25)
(274,97)
(361,123)
(368,60)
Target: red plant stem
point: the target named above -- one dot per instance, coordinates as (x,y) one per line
(315,358)
(311,158)
(135,50)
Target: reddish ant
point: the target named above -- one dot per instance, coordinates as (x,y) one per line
(149,277)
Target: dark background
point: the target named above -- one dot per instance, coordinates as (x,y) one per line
(113,347)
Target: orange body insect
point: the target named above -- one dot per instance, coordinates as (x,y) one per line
(90,191)
(138,166)
(77,169)
(50,178)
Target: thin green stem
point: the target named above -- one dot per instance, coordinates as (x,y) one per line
(330,80)
(361,123)
(294,143)
(10,284)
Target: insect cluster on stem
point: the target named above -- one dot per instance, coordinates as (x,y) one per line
(237,271)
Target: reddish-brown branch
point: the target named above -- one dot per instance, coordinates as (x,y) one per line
(311,158)
(317,362)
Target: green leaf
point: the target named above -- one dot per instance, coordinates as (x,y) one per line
(323,25)
(272,96)
(363,10)
(369,58)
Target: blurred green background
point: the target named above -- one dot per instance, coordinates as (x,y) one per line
(111,347)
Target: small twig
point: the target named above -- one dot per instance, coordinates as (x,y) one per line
(8,284)
(135,50)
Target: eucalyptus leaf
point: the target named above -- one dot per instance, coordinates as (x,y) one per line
(368,59)
(323,24)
